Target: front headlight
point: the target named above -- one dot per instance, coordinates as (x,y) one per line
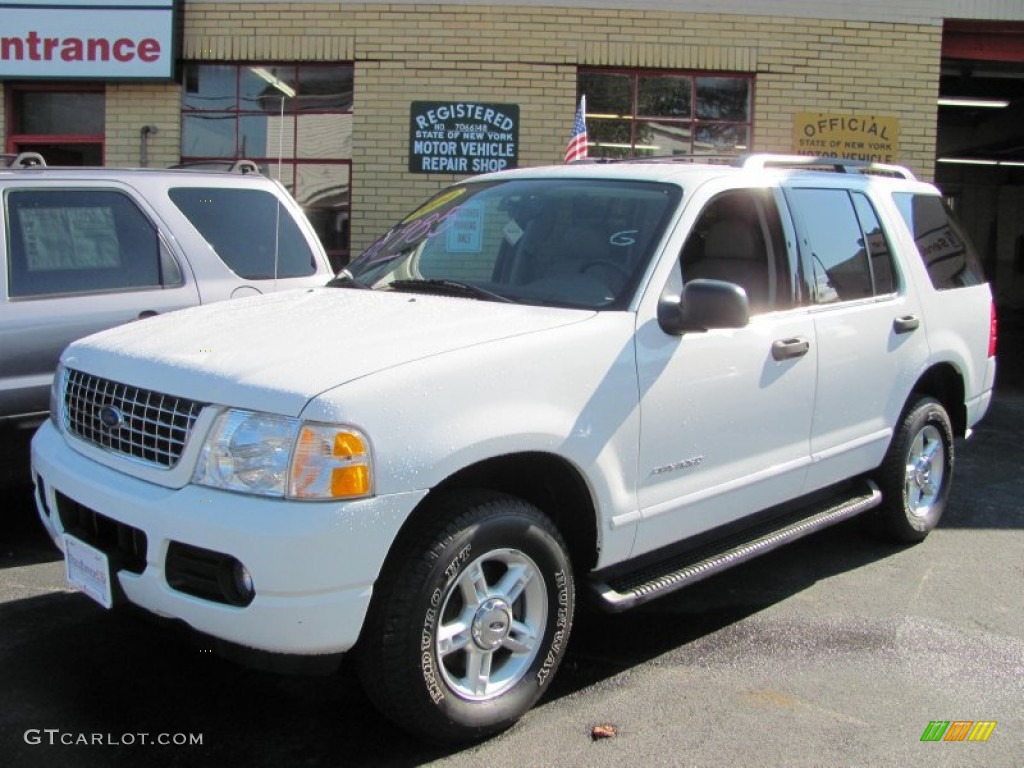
(57,397)
(272,455)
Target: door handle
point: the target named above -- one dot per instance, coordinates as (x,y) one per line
(147,313)
(787,349)
(906,324)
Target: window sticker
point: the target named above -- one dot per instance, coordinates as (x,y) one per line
(465,235)
(69,238)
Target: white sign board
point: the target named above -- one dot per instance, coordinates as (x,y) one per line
(71,39)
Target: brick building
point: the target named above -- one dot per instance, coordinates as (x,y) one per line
(326,94)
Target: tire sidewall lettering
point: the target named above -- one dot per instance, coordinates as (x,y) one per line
(562,619)
(428,666)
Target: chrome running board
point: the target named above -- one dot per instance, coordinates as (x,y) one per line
(630,589)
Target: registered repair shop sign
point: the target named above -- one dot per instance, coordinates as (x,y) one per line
(873,138)
(462,137)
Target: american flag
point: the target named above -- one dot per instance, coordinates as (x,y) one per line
(577,149)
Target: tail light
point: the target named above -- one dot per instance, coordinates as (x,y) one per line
(992,328)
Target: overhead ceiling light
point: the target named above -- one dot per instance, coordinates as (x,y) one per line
(953,101)
(275,81)
(967,161)
(1013,163)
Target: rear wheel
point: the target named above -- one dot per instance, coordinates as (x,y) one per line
(916,474)
(470,618)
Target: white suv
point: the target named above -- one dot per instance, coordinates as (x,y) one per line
(84,249)
(605,378)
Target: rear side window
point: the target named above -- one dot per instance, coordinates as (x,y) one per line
(81,241)
(849,253)
(945,248)
(249,229)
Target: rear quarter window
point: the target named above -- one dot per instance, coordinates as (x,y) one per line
(242,226)
(945,249)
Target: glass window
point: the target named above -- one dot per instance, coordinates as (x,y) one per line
(267,88)
(723,98)
(636,113)
(944,247)
(239,224)
(210,86)
(74,241)
(738,238)
(293,120)
(59,112)
(877,243)
(210,135)
(664,96)
(608,94)
(833,241)
(325,89)
(560,242)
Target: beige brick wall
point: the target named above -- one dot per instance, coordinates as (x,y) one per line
(129,108)
(528,56)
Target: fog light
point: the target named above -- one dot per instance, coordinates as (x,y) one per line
(243,582)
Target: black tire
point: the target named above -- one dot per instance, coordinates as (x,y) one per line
(916,474)
(469,619)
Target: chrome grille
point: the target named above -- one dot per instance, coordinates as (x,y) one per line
(145,425)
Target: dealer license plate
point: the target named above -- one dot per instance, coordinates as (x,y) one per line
(88,570)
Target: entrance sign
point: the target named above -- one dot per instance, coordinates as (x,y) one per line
(462,137)
(856,136)
(72,39)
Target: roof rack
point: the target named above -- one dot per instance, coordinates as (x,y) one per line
(693,159)
(242,166)
(760,161)
(25,160)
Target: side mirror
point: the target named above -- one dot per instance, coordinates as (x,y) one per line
(705,304)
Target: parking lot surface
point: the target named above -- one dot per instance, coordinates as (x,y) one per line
(837,650)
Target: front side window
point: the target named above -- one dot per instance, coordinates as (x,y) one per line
(847,249)
(738,238)
(559,242)
(636,113)
(249,230)
(293,120)
(944,247)
(77,241)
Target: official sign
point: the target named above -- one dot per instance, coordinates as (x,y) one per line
(93,40)
(462,137)
(873,138)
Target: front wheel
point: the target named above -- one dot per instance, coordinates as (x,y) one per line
(916,474)
(470,618)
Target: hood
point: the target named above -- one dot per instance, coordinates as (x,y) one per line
(276,352)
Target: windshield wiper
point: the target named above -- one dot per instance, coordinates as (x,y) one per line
(345,279)
(450,288)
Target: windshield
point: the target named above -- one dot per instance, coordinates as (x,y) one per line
(563,242)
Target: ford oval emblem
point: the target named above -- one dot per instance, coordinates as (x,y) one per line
(111,418)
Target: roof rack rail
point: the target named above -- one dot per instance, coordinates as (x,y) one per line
(26,160)
(759,161)
(244,166)
(696,159)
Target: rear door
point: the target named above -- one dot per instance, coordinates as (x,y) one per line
(76,261)
(867,321)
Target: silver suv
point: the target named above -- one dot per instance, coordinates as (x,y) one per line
(85,249)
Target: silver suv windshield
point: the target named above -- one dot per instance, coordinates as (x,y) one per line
(564,242)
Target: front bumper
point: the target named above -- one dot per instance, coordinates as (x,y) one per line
(313,564)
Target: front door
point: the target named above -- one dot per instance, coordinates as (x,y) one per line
(726,414)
